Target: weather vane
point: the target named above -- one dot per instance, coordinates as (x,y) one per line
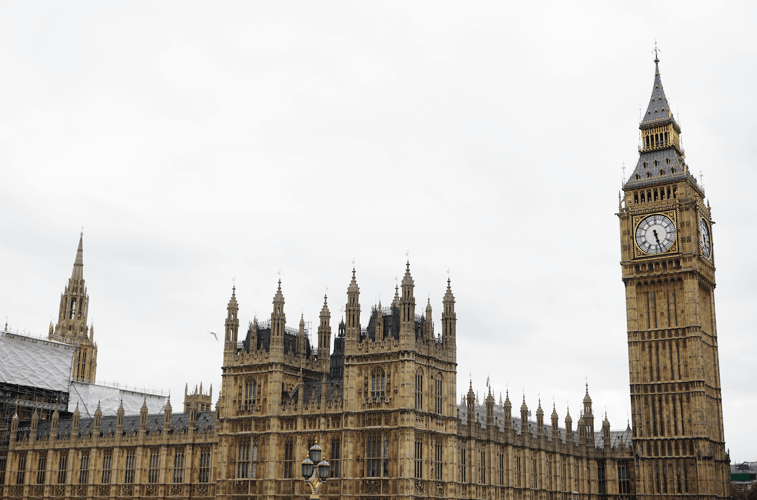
(656,50)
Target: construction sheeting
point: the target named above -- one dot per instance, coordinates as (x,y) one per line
(35,362)
(88,395)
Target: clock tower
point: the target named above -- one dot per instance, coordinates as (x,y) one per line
(668,263)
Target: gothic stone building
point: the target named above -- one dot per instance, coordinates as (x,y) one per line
(382,403)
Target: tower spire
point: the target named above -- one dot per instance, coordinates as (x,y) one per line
(78,272)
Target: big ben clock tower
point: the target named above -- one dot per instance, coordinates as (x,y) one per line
(668,261)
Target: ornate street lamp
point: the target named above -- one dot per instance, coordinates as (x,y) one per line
(315,475)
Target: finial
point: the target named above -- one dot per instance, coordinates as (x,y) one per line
(656,50)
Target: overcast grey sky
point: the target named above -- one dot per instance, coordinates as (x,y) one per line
(198,142)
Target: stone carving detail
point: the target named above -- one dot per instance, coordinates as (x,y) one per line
(175,490)
(126,490)
(419,487)
(104,490)
(60,491)
(439,489)
(373,486)
(39,491)
(81,490)
(240,487)
(150,490)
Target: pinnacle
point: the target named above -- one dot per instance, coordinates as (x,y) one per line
(78,272)
(407,279)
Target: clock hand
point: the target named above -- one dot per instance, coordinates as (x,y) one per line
(654,231)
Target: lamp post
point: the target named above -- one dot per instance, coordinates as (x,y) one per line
(315,471)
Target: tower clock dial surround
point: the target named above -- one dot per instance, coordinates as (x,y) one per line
(655,234)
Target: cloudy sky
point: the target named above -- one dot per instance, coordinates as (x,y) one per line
(198,143)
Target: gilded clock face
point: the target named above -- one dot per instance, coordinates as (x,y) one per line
(704,238)
(655,234)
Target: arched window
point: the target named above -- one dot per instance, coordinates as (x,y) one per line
(376,456)
(419,389)
(250,392)
(378,383)
(437,393)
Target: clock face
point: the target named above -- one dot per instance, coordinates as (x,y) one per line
(704,238)
(655,234)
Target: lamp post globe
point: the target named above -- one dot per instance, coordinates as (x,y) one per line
(323,470)
(307,468)
(315,453)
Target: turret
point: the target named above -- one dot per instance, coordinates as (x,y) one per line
(232,323)
(98,419)
(301,339)
(555,425)
(278,322)
(508,410)
(606,433)
(588,416)
(524,417)
(407,310)
(352,311)
(449,318)
(324,336)
(568,427)
(120,418)
(54,422)
(490,410)
(35,423)
(428,327)
(143,418)
(167,417)
(471,401)
(541,431)
(72,322)
(75,422)
(379,323)
(192,417)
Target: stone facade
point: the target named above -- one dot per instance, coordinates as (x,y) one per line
(382,404)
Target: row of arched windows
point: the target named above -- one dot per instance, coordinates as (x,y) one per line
(656,194)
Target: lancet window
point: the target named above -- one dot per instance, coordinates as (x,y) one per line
(419,389)
(378,383)
(376,456)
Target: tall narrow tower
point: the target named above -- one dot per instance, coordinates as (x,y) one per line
(72,322)
(669,276)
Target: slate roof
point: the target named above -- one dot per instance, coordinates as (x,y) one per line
(658,110)
(671,165)
(179,424)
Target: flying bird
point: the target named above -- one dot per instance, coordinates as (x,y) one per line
(214,334)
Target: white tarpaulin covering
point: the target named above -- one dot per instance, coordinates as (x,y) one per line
(35,362)
(87,395)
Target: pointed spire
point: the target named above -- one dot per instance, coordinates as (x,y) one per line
(407,280)
(353,288)
(233,300)
(325,308)
(78,272)
(279,297)
(658,108)
(587,398)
